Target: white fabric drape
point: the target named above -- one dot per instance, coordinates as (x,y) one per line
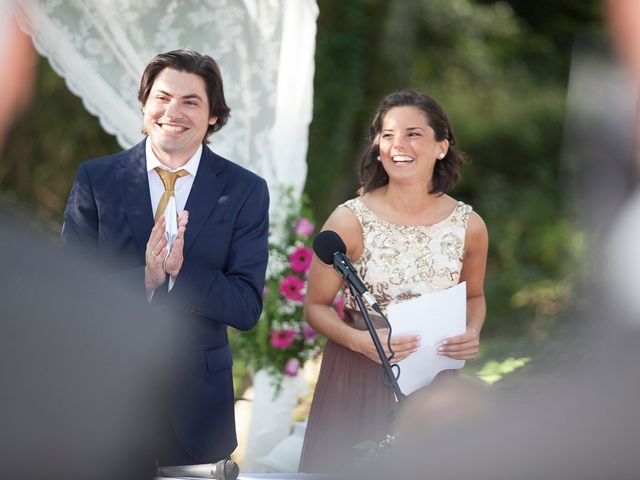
(265,50)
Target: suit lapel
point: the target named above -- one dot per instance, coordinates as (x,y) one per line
(135,192)
(205,192)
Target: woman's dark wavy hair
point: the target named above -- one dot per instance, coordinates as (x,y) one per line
(190,61)
(446,172)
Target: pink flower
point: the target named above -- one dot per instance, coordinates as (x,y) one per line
(308,332)
(291,367)
(339,304)
(291,287)
(265,291)
(300,259)
(282,339)
(304,227)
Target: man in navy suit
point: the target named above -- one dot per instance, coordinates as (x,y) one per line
(212,275)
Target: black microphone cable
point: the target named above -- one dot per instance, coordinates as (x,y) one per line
(386,381)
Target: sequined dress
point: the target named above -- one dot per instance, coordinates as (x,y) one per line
(398,263)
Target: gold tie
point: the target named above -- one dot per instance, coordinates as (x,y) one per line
(169,182)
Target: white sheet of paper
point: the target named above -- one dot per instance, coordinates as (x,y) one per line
(170,228)
(171,222)
(433,316)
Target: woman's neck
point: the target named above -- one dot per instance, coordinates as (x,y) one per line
(409,199)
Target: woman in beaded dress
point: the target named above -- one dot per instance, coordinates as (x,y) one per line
(406,237)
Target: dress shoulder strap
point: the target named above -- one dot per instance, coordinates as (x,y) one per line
(460,215)
(362,213)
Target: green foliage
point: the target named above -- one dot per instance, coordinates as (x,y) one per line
(515,184)
(493,371)
(346,48)
(53,137)
(550,27)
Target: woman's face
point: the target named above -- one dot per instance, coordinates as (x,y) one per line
(408,148)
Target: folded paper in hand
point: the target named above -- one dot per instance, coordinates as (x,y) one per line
(171,222)
(170,230)
(434,316)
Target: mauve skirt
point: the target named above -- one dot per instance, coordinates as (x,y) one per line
(350,405)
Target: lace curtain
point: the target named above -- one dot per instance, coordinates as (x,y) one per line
(265,50)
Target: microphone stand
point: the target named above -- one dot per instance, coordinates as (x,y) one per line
(390,378)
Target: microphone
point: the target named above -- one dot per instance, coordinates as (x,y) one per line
(330,248)
(221,470)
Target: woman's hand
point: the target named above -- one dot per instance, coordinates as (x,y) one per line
(461,347)
(402,345)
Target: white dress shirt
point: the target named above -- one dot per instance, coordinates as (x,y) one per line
(183,184)
(182,187)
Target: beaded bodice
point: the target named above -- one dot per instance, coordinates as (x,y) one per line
(400,262)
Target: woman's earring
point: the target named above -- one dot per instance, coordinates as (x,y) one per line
(378,157)
(441,156)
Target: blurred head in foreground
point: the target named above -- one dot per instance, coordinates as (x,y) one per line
(83,372)
(621,259)
(576,422)
(449,402)
(17,68)
(84,377)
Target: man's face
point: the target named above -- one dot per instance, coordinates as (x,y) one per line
(176,115)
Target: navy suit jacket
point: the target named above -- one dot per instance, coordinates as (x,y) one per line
(109,217)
